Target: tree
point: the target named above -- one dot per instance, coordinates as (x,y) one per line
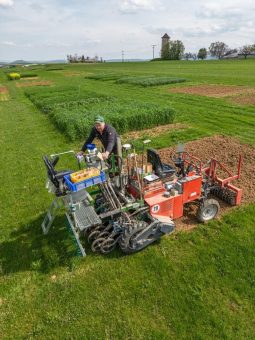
(246,50)
(218,49)
(193,56)
(230,51)
(176,50)
(165,52)
(187,56)
(202,53)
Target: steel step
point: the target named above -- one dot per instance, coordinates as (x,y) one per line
(86,217)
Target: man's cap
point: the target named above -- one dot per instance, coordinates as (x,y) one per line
(99,119)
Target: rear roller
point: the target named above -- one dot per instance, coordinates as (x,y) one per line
(225,195)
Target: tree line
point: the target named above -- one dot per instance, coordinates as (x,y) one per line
(75,58)
(174,50)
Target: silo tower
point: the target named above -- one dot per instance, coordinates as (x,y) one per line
(165,40)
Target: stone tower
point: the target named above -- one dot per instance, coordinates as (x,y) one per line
(165,40)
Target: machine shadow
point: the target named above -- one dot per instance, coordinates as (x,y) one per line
(28,249)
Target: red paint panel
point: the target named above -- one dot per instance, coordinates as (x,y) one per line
(192,189)
(178,207)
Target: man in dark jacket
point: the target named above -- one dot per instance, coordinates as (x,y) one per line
(106,134)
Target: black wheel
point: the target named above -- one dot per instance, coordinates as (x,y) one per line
(208,210)
(127,241)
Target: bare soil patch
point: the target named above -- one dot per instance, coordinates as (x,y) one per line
(76,73)
(245,99)
(28,78)
(4,93)
(35,83)
(153,131)
(226,150)
(3,89)
(217,91)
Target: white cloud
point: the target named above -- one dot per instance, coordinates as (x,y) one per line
(55,28)
(133,6)
(215,11)
(8,43)
(6,3)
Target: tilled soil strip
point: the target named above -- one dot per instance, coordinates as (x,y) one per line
(34,83)
(214,90)
(152,132)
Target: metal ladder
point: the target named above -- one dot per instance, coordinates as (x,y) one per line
(50,215)
(49,218)
(75,236)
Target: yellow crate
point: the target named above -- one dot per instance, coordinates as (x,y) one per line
(84,174)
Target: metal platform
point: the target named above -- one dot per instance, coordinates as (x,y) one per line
(86,217)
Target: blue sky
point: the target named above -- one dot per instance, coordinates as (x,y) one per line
(35,30)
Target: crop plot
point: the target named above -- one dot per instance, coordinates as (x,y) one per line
(73,111)
(105,76)
(150,81)
(136,80)
(28,76)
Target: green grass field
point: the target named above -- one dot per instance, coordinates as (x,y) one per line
(196,285)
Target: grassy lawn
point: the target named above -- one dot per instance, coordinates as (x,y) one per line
(189,285)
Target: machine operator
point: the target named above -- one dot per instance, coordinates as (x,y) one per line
(107,136)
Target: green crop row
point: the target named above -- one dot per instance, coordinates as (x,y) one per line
(150,81)
(139,80)
(73,113)
(124,116)
(28,75)
(105,76)
(63,97)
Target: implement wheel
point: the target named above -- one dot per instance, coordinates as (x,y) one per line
(208,210)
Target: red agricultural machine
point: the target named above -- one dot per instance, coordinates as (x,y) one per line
(132,201)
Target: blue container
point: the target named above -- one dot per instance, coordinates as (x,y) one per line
(91,146)
(86,183)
